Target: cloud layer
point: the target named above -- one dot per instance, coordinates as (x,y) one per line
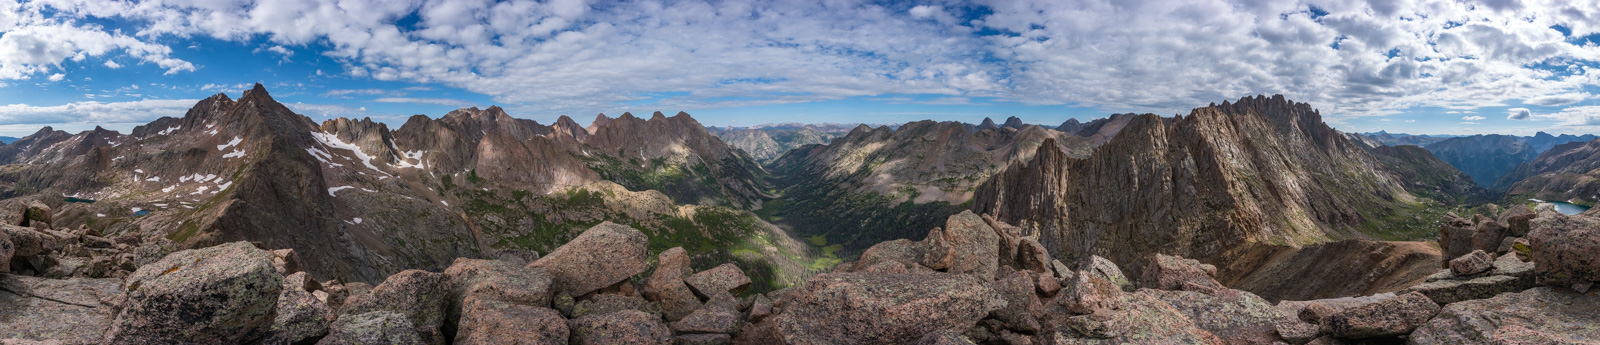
(1348,57)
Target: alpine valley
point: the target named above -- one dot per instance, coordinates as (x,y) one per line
(1246,222)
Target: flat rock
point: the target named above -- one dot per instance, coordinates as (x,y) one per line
(1144,319)
(624,327)
(1391,317)
(1517,220)
(1475,262)
(65,310)
(1236,317)
(723,278)
(422,296)
(500,280)
(1542,315)
(872,308)
(1447,291)
(220,294)
(372,328)
(488,321)
(602,256)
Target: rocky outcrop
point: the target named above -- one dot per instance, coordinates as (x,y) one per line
(1542,315)
(869,308)
(1222,179)
(1564,247)
(623,327)
(603,255)
(222,294)
(1390,317)
(421,297)
(71,311)
(1508,273)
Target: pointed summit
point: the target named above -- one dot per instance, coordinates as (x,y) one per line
(259,91)
(658,116)
(1013,122)
(987,124)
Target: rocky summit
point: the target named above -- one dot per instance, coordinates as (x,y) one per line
(1248,222)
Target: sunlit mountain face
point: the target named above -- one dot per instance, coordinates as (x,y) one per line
(791,172)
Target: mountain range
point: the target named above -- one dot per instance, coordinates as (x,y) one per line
(1234,205)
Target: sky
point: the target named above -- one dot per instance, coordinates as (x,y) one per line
(1405,66)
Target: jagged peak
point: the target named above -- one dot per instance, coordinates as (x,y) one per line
(259,92)
(626,115)
(567,120)
(658,116)
(682,114)
(219,97)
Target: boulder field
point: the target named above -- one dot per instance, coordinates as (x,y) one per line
(973,281)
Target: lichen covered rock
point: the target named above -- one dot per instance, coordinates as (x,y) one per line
(602,256)
(220,294)
(870,308)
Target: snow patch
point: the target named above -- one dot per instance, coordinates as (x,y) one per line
(99,214)
(160,205)
(411,155)
(200,190)
(231,143)
(169,189)
(212,132)
(224,186)
(169,130)
(336,189)
(333,141)
(357,220)
(154,179)
(141,171)
(235,154)
(136,209)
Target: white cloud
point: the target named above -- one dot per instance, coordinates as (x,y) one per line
(1520,114)
(35,43)
(58,77)
(113,64)
(92,112)
(1411,121)
(1557,100)
(437,101)
(1361,58)
(1472,118)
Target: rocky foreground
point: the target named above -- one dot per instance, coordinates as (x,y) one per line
(973,281)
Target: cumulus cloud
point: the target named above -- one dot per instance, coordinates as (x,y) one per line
(94,112)
(1347,57)
(1472,118)
(34,43)
(58,77)
(1520,114)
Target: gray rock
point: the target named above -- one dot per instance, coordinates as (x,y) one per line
(489,321)
(1105,268)
(1542,315)
(1391,317)
(869,308)
(1475,262)
(944,337)
(723,278)
(300,314)
(221,294)
(421,296)
(602,256)
(1144,319)
(666,285)
(708,320)
(497,280)
(974,247)
(1088,292)
(71,311)
(702,339)
(372,328)
(1022,304)
(624,327)
(1237,317)
(1166,272)
(1563,249)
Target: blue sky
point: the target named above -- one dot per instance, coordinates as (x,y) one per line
(1441,67)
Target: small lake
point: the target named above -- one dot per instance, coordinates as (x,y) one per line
(1565,208)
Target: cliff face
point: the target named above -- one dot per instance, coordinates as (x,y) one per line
(675,155)
(1565,172)
(1263,170)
